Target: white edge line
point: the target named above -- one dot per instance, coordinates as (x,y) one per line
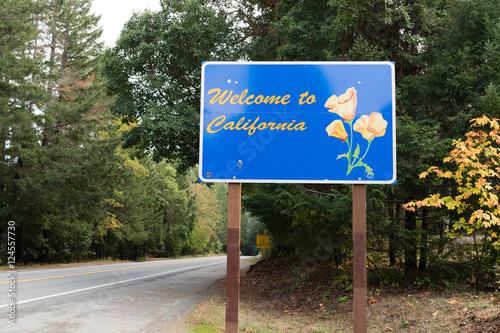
(202,104)
(110,284)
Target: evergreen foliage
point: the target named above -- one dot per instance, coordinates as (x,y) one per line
(74,192)
(154,71)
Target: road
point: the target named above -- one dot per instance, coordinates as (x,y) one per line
(150,296)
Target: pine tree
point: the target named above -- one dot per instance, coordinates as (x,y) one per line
(19,66)
(57,163)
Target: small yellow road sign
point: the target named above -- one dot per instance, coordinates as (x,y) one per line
(262,241)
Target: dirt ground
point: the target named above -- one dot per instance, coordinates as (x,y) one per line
(274,300)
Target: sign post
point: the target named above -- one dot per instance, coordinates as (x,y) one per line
(359,258)
(298,122)
(233,257)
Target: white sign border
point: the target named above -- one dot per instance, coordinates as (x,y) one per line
(298,181)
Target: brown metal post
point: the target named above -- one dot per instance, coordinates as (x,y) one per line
(233,257)
(359,258)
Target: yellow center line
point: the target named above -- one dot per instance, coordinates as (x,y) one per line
(102,271)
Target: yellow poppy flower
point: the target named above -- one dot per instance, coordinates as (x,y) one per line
(337,130)
(343,105)
(372,126)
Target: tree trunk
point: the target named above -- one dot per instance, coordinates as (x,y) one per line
(424,241)
(391,216)
(411,244)
(120,250)
(35,56)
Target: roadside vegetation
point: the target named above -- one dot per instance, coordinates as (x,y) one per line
(274,299)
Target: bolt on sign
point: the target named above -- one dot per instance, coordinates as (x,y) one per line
(298,122)
(263,241)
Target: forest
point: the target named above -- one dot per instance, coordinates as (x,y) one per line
(99,146)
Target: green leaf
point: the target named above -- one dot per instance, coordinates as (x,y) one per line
(368,170)
(356,152)
(343,155)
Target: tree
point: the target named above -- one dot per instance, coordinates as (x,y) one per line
(451,76)
(458,62)
(55,162)
(207,220)
(17,64)
(177,213)
(135,210)
(476,174)
(308,221)
(154,71)
(220,190)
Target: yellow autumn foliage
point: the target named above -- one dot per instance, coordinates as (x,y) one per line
(477,178)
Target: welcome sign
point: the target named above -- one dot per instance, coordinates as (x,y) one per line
(298,122)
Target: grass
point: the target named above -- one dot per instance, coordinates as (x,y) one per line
(202,329)
(209,316)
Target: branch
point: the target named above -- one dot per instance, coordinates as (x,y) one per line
(318,192)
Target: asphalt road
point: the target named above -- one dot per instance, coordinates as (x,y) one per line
(151,296)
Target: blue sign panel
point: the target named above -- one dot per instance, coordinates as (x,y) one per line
(298,122)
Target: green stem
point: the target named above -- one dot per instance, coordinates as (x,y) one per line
(349,154)
(350,167)
(367,148)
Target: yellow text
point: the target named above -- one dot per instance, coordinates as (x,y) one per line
(223,97)
(243,124)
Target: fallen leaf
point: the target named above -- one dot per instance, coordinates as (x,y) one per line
(410,304)
(454,302)
(373,300)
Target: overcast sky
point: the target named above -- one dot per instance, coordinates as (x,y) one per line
(114,14)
